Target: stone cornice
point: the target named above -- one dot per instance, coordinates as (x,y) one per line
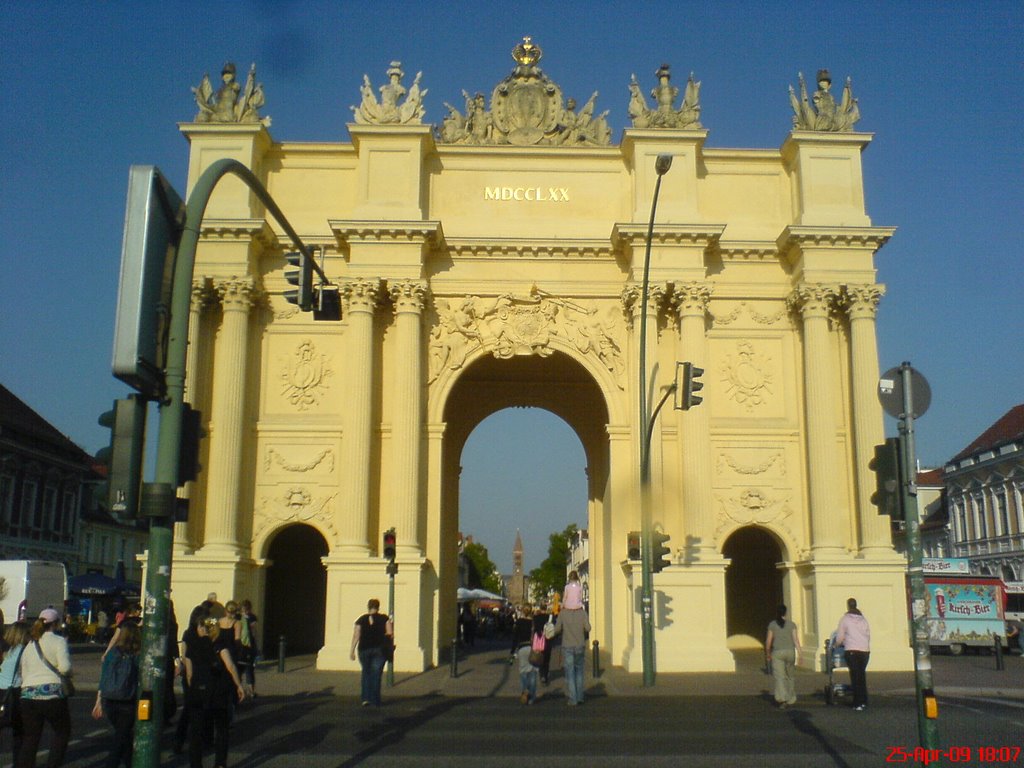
(633,234)
(746,250)
(866,238)
(238,229)
(536,249)
(348,231)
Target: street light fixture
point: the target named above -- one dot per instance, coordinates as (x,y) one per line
(661,166)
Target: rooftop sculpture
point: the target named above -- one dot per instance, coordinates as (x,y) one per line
(231,103)
(665,115)
(527,108)
(388,109)
(823,115)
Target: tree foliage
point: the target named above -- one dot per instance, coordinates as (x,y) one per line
(550,575)
(487,576)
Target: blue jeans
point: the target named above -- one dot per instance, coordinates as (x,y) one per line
(372,662)
(528,682)
(575,660)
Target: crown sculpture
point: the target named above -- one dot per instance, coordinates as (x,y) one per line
(823,114)
(231,103)
(527,108)
(388,109)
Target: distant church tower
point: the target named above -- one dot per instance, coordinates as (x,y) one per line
(518,591)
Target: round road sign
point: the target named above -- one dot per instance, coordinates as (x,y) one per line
(890,392)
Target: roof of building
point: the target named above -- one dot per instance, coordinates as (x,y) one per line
(930,477)
(20,424)
(1008,428)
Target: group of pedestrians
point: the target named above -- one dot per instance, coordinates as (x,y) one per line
(782,651)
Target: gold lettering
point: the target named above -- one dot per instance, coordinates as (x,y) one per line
(528,194)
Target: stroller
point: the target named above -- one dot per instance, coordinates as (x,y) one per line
(835,659)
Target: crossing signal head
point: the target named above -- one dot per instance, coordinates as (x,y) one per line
(389,544)
(633,545)
(688,384)
(887,465)
(660,552)
(301,276)
(123,457)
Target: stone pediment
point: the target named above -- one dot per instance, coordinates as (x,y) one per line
(527,109)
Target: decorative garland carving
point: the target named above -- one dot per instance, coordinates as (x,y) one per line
(747,376)
(758,317)
(726,460)
(273,457)
(508,326)
(305,376)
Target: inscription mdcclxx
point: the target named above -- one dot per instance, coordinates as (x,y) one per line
(530,194)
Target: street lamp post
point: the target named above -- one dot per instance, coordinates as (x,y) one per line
(661,166)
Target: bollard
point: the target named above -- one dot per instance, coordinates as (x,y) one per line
(454,670)
(597,659)
(999,653)
(280,653)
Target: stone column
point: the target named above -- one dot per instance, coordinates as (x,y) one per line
(814,301)
(631,297)
(201,297)
(861,302)
(407,421)
(361,299)
(227,417)
(691,303)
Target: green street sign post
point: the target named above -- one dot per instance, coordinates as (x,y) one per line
(168,386)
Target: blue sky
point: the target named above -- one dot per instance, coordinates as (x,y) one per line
(92,88)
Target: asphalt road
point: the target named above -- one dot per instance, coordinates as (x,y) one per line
(320,729)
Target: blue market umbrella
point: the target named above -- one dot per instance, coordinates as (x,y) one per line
(95,585)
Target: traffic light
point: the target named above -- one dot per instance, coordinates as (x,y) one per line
(687,386)
(887,464)
(633,545)
(302,278)
(389,544)
(192,433)
(123,457)
(659,552)
(327,303)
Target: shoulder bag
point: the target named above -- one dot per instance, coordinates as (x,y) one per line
(67,685)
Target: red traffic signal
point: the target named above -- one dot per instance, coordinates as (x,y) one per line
(389,544)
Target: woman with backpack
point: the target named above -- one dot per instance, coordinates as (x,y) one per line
(119,681)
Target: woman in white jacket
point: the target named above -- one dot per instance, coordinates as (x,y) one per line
(42,695)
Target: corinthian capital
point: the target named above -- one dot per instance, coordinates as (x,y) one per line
(814,299)
(236,293)
(861,301)
(632,296)
(201,295)
(362,295)
(408,295)
(691,299)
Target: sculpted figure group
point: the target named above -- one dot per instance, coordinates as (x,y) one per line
(526,108)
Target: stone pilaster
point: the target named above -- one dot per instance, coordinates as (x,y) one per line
(407,423)
(202,296)
(361,298)
(632,297)
(814,301)
(690,301)
(227,417)
(861,304)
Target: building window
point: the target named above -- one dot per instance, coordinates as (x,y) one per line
(48,513)
(980,526)
(1002,514)
(68,518)
(6,501)
(104,550)
(87,547)
(29,491)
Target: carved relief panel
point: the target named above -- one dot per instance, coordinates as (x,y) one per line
(302,376)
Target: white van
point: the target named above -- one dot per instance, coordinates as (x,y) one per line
(29,586)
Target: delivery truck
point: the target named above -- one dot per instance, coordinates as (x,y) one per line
(964,609)
(29,586)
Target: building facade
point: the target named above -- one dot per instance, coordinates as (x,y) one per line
(985,498)
(497,260)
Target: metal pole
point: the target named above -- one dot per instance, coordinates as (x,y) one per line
(454,668)
(927,728)
(392,570)
(661,166)
(282,646)
(161,535)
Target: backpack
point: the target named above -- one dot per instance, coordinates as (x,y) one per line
(119,678)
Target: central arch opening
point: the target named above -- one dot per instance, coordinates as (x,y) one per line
(526,447)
